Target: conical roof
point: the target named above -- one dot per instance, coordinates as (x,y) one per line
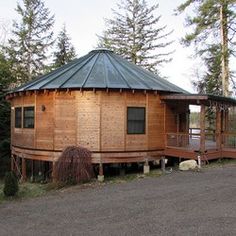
(101,69)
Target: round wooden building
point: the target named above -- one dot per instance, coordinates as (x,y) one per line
(99,101)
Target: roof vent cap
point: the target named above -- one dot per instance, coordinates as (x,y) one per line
(96,50)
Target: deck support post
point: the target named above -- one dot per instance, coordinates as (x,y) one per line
(53,171)
(146,167)
(163,164)
(23,170)
(32,171)
(100,175)
(122,170)
(202,129)
(12,163)
(16,166)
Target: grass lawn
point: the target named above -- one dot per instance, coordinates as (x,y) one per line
(220,163)
(26,190)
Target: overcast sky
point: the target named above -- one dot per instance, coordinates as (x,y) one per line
(84,19)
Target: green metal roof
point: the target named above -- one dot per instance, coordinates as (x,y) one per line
(101,69)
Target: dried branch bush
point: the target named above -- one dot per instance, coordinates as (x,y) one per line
(74,165)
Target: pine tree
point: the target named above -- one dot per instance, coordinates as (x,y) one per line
(212,22)
(11,186)
(6,81)
(134,33)
(32,37)
(210,82)
(65,51)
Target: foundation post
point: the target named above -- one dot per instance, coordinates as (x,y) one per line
(32,171)
(146,167)
(101,175)
(23,163)
(122,170)
(53,171)
(163,164)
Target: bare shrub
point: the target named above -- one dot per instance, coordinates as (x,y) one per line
(74,165)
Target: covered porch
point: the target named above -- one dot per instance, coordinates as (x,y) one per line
(208,143)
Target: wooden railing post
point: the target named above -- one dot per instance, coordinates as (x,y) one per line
(190,132)
(218,128)
(225,118)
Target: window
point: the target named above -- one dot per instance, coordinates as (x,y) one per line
(18,117)
(28,117)
(136,120)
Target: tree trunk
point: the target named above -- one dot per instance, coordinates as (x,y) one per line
(225,50)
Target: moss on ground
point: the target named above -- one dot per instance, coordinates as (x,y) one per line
(220,163)
(26,190)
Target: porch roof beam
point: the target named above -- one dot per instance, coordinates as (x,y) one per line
(198,99)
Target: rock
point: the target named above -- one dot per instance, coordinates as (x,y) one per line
(188,165)
(146,169)
(100,178)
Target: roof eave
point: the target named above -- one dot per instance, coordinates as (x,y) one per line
(197,99)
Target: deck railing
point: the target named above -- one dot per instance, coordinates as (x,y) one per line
(229,140)
(179,139)
(190,140)
(209,133)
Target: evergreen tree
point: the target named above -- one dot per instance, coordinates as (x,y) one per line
(212,22)
(6,81)
(11,186)
(210,82)
(65,51)
(32,37)
(134,33)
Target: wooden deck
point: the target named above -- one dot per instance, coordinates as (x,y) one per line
(97,157)
(189,146)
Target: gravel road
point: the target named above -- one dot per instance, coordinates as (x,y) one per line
(180,203)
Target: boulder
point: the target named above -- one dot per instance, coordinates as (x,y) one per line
(188,165)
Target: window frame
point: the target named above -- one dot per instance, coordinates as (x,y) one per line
(143,121)
(27,118)
(18,123)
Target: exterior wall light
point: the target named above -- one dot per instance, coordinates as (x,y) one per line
(43,108)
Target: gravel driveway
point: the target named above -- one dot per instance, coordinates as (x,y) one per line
(180,203)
